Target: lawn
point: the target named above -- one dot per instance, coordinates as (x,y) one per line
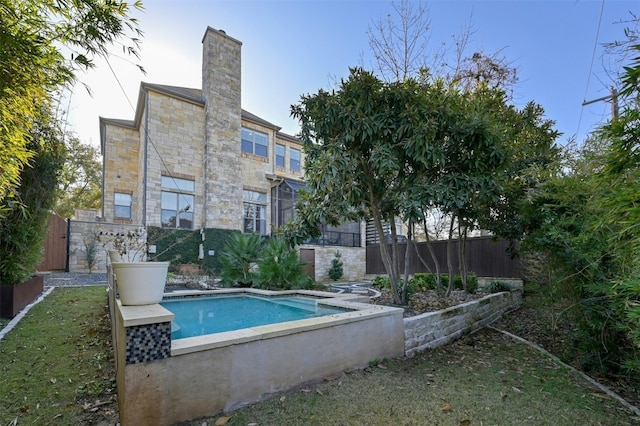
(57,368)
(56,365)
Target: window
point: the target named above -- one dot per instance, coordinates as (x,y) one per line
(122,205)
(294,160)
(280,156)
(254,212)
(177,202)
(255,143)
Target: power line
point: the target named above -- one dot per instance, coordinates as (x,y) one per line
(143,127)
(593,56)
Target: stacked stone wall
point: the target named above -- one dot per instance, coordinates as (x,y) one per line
(434,329)
(121,168)
(83,232)
(353,261)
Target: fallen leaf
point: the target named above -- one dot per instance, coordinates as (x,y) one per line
(24,408)
(446,408)
(465,422)
(319,392)
(222,420)
(381,366)
(515,389)
(53,380)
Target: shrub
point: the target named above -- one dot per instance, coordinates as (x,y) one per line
(381,281)
(497,287)
(23,228)
(336,271)
(239,258)
(280,268)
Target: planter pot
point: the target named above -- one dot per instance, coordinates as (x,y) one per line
(14,297)
(140,283)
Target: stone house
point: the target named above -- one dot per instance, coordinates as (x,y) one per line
(194,159)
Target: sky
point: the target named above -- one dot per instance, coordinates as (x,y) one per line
(292,48)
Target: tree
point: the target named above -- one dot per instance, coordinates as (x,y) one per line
(80,179)
(33,68)
(336,271)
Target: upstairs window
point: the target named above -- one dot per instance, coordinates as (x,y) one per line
(177,202)
(122,205)
(255,143)
(254,212)
(280,156)
(294,160)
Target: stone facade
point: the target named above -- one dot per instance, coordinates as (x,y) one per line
(195,135)
(434,329)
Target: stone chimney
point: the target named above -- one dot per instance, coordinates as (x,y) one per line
(221,89)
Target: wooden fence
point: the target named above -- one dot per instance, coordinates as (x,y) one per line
(485,257)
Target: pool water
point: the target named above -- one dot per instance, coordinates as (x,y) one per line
(196,316)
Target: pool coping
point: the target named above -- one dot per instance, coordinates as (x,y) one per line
(359,311)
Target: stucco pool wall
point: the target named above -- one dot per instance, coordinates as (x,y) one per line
(201,376)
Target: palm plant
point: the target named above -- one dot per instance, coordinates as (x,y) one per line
(241,254)
(281,268)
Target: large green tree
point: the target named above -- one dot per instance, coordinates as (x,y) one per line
(80,178)
(42,45)
(378,151)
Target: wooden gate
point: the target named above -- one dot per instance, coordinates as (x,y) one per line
(308,257)
(55,246)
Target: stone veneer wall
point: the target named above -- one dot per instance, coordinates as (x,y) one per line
(434,329)
(121,168)
(83,230)
(175,146)
(353,262)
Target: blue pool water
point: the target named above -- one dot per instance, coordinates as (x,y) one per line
(196,316)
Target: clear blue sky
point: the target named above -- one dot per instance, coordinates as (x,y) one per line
(296,47)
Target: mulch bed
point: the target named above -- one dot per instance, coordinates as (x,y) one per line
(427,301)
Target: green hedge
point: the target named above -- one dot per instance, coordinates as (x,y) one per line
(180,246)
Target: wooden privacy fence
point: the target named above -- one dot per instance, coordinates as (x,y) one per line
(485,257)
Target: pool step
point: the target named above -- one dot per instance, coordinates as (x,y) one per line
(306,305)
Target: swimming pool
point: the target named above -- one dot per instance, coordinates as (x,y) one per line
(163,380)
(197,316)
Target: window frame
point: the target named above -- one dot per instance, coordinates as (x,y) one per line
(183,208)
(256,203)
(254,138)
(116,205)
(282,164)
(297,160)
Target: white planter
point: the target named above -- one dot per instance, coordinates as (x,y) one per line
(140,283)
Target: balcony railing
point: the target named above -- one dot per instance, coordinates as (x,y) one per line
(335,238)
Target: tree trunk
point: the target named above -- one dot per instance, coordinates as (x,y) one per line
(433,256)
(405,283)
(450,257)
(462,259)
(387,261)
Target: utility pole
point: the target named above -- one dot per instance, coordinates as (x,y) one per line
(614,102)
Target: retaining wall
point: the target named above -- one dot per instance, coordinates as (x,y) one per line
(433,329)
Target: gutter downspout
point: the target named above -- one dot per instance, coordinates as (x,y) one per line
(146,158)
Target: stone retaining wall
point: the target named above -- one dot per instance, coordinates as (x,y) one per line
(434,329)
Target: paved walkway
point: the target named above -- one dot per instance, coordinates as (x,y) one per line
(74,279)
(357,287)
